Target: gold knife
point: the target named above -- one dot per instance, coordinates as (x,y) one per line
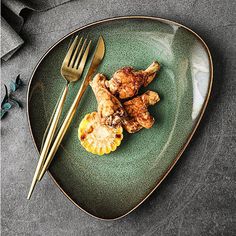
(97,58)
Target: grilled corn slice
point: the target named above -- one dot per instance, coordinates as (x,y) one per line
(97,138)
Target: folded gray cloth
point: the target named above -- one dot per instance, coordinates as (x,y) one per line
(13,14)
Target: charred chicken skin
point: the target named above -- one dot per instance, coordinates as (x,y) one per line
(126,82)
(110,109)
(138,114)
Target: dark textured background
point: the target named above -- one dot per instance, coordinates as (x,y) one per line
(198,196)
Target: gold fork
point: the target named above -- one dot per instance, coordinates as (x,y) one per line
(71,70)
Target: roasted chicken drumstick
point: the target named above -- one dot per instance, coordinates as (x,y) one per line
(137,110)
(110,110)
(126,82)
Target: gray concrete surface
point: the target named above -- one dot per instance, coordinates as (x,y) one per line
(197,198)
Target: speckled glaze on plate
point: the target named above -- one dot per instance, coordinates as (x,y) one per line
(111,186)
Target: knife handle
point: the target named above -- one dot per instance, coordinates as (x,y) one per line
(64,127)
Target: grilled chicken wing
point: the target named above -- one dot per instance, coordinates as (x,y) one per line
(110,110)
(137,110)
(126,82)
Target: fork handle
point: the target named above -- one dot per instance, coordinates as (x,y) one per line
(48,139)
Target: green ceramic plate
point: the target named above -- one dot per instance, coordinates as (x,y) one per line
(111,186)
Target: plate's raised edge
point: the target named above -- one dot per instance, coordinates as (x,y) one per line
(189,137)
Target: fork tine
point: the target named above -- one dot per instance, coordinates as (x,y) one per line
(80,54)
(84,58)
(75,53)
(70,51)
